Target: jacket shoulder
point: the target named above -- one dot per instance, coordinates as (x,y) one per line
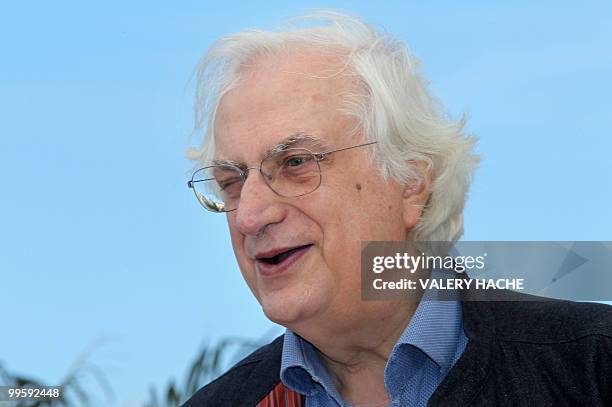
(537,319)
(246,383)
(532,350)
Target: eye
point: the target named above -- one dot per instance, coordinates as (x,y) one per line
(228,183)
(230,188)
(297,160)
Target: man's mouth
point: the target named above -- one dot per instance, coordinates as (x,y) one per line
(277,261)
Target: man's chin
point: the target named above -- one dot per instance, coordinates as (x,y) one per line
(287,312)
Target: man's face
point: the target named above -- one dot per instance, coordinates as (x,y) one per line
(317,279)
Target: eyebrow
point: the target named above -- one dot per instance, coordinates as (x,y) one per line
(292,141)
(285,144)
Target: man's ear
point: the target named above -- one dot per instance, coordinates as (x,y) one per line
(416,195)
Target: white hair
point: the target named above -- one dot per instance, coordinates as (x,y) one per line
(396,108)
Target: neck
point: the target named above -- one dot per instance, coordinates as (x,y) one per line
(355,352)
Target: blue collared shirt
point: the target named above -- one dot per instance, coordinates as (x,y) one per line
(427,349)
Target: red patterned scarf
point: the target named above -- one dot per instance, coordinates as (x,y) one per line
(281,396)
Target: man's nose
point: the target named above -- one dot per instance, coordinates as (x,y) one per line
(259,206)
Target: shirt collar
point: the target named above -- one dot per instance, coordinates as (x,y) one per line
(302,369)
(435,329)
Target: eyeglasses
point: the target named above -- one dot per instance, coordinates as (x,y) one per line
(290,172)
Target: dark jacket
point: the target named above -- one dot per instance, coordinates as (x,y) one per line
(530,353)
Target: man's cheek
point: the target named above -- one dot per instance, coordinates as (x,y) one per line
(345,257)
(249,274)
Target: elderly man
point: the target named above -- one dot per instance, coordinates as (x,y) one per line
(318,139)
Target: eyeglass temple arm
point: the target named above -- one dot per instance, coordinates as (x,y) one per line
(191,182)
(244,171)
(323,155)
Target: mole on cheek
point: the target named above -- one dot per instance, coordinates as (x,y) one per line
(358,186)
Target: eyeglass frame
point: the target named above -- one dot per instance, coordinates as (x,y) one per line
(244,172)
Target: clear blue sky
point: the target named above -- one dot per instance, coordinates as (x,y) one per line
(100,238)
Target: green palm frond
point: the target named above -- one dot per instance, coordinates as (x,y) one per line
(74,393)
(206,366)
